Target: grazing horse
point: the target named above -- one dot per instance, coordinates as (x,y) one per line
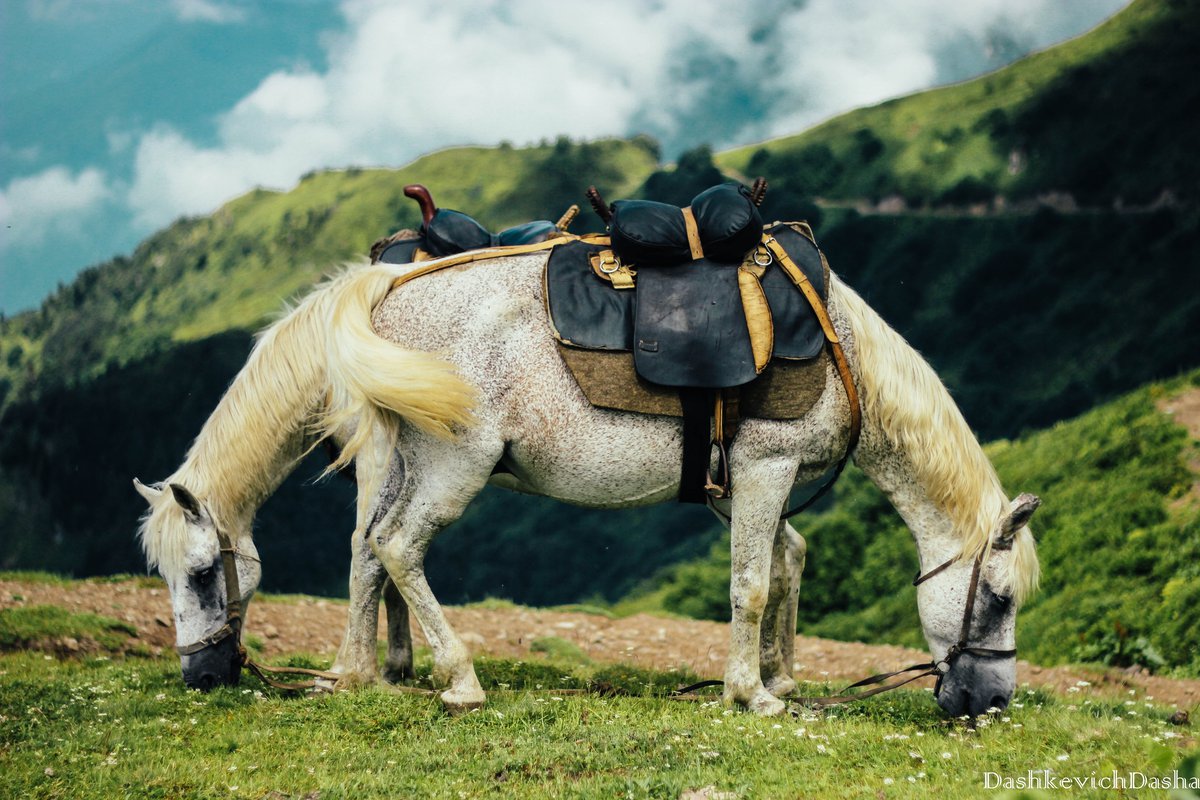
(428,434)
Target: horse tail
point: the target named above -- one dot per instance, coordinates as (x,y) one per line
(375,383)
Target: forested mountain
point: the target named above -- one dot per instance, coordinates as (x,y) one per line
(1033,232)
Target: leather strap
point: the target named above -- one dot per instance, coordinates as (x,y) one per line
(693,233)
(839,359)
(472,256)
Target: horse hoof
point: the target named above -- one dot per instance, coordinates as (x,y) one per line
(347,682)
(456,704)
(766,704)
(398,673)
(781,686)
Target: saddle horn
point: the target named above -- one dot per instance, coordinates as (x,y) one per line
(598,205)
(758,192)
(424,199)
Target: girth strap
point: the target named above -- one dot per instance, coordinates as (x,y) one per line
(839,359)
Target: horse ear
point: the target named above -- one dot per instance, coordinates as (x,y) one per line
(150,494)
(193,511)
(1019,513)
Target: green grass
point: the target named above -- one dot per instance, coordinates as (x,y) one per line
(98,729)
(44,626)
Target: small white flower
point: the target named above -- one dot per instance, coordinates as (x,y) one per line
(947,755)
(821,749)
(888,781)
(1063,757)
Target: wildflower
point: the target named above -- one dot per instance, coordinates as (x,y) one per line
(1063,757)
(888,781)
(947,754)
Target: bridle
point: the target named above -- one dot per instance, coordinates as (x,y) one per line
(233,626)
(939,667)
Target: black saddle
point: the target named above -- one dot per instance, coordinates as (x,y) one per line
(445,232)
(684,319)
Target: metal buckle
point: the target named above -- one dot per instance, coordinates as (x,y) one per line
(615,261)
(762,252)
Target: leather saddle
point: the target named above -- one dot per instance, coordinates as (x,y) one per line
(706,309)
(446,232)
(699,296)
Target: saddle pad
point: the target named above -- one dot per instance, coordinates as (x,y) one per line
(785,389)
(587,312)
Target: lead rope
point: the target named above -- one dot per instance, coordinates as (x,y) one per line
(939,667)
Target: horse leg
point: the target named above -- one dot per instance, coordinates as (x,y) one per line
(779,618)
(428,503)
(760,492)
(398,665)
(357,656)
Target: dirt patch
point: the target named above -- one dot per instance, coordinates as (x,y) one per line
(313,625)
(1184,408)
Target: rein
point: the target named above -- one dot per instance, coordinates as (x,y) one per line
(233,627)
(939,667)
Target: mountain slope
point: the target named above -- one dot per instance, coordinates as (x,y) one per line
(1031,314)
(1098,117)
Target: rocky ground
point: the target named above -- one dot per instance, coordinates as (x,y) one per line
(313,625)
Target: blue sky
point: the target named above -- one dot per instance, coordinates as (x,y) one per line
(119,116)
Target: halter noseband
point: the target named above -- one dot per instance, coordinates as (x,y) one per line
(233,626)
(233,602)
(943,665)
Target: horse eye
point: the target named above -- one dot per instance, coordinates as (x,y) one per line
(1003,600)
(205,576)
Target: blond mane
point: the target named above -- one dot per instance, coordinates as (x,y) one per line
(318,371)
(903,396)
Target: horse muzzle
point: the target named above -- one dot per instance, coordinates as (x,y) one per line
(219,664)
(973,685)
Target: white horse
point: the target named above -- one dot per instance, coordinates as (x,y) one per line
(426,444)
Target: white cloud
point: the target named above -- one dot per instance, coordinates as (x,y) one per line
(207,11)
(403,79)
(52,202)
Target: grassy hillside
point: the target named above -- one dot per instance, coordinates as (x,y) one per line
(98,728)
(1098,117)
(1119,542)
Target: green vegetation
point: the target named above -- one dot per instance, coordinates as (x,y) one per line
(93,728)
(48,627)
(1097,117)
(1120,551)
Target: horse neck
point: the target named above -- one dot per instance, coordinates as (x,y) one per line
(257,433)
(916,445)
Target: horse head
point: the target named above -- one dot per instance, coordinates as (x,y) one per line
(968,613)
(211,574)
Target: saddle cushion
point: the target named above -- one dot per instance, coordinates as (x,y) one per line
(645,233)
(400,252)
(452,232)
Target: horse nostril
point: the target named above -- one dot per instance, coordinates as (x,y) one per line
(999,701)
(207,682)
